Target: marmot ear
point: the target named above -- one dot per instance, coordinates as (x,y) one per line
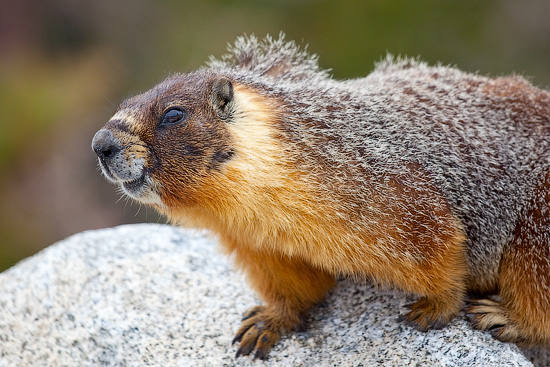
(221,97)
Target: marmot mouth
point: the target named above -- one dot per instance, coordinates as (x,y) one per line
(106,171)
(134,186)
(130,187)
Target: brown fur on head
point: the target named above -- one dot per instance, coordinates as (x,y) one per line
(162,144)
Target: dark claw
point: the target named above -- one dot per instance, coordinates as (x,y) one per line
(438,324)
(241,352)
(252,312)
(496,329)
(260,354)
(237,339)
(245,350)
(240,335)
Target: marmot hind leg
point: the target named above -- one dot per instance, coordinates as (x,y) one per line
(522,314)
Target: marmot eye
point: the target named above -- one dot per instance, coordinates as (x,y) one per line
(172,116)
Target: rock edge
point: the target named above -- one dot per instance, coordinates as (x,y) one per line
(155,295)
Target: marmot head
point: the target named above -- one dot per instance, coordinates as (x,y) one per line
(161,145)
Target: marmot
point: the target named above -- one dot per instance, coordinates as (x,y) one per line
(427,179)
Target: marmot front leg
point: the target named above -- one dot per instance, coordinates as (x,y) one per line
(289,287)
(443,289)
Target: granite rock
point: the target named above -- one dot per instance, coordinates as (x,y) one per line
(155,295)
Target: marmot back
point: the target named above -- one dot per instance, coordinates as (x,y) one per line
(424,178)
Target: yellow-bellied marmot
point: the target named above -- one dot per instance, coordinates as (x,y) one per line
(423,178)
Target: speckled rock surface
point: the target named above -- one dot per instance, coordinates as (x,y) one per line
(153,295)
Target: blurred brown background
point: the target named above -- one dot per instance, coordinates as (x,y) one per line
(66,64)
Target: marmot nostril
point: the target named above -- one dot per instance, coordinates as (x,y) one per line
(107,153)
(104,144)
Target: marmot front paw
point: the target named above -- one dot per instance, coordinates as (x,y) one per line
(261,328)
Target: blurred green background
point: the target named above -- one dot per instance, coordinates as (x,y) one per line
(66,64)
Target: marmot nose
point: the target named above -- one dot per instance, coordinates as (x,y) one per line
(104,144)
